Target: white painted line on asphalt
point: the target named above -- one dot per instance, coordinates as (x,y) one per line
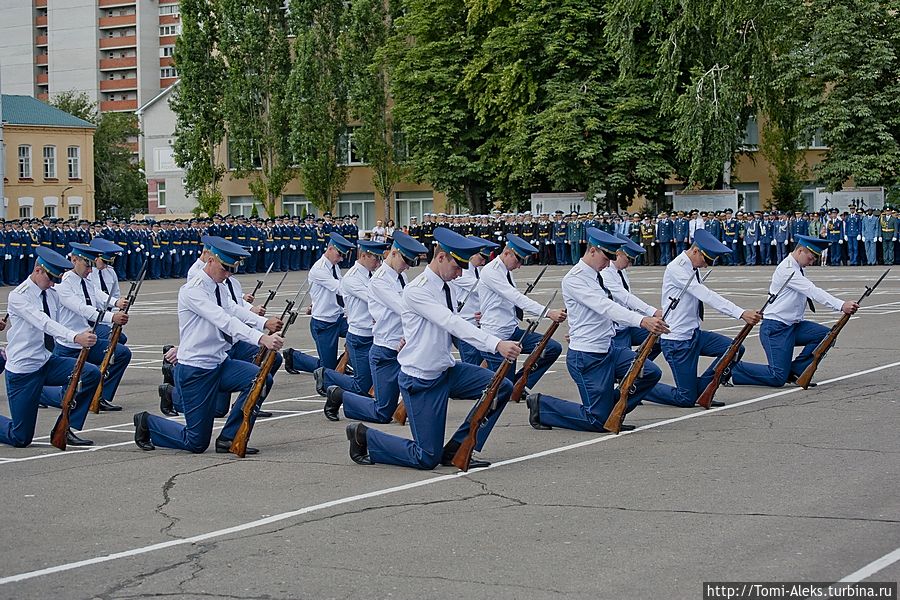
(873,567)
(402,488)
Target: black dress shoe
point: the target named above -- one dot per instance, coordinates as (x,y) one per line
(716,403)
(223,446)
(142,431)
(450,451)
(533,402)
(74,440)
(793,379)
(334,399)
(165,400)
(359,446)
(263,414)
(108,406)
(168,369)
(288,355)
(319,375)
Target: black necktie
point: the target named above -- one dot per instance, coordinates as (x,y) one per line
(231,290)
(520,314)
(102,282)
(605,289)
(809,302)
(624,283)
(87,297)
(477,276)
(447,297)
(370,274)
(402,283)
(227,337)
(49,344)
(699,302)
(338,297)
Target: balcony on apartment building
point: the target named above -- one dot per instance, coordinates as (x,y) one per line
(167,61)
(43,96)
(42,79)
(112,3)
(40,21)
(109,85)
(118,105)
(167,40)
(165,82)
(112,64)
(127,41)
(41,59)
(169,19)
(40,40)
(117,21)
(40,3)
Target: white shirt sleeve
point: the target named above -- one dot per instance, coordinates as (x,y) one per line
(495,280)
(223,320)
(420,301)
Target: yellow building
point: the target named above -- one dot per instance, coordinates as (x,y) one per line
(48,166)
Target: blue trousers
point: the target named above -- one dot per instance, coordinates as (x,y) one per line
(295,259)
(358,347)
(198,389)
(764,247)
(683,358)
(634,336)
(853,251)
(595,373)
(750,250)
(24,392)
(871,252)
(779,341)
(114,371)
(467,352)
(679,247)
(561,258)
(326,336)
(426,407)
(384,368)
(665,251)
(551,352)
(240,351)
(782,251)
(103,331)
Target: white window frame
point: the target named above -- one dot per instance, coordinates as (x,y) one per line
(242,205)
(166,51)
(172,29)
(50,210)
(25,161)
(161,194)
(50,162)
(346,154)
(294,204)
(73,160)
(74,211)
(415,204)
(24,212)
(167,72)
(169,9)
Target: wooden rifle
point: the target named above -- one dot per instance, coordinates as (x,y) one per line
(273,292)
(627,385)
(531,362)
(61,428)
(728,360)
(488,400)
(289,307)
(826,344)
(342,362)
(114,335)
(259,282)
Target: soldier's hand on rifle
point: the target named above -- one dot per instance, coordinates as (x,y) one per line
(557,315)
(271,342)
(751,317)
(402,343)
(172,355)
(274,324)
(86,339)
(654,325)
(509,350)
(2,323)
(850,307)
(477,316)
(258,310)
(249,298)
(122,303)
(658,313)
(120,318)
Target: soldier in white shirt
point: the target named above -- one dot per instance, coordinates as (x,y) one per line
(466,288)
(328,322)
(687,342)
(385,305)
(208,325)
(503,306)
(593,361)
(783,327)
(618,288)
(355,291)
(429,374)
(105,280)
(34,329)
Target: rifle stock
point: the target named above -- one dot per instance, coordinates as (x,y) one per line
(400,413)
(531,361)
(825,345)
(342,363)
(463,455)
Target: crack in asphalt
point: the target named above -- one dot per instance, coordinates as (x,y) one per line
(167,497)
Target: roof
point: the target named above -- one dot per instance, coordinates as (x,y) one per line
(160,95)
(25,110)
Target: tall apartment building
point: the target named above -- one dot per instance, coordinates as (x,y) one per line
(119,52)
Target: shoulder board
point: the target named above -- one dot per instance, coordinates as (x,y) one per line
(21,287)
(419,281)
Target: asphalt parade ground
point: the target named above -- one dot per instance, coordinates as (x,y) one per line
(779,485)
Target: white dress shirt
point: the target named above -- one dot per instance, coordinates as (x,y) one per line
(615,281)
(25,351)
(498,300)
(112,284)
(789,306)
(386,306)
(232,285)
(74,312)
(323,289)
(686,317)
(202,322)
(466,288)
(592,316)
(429,326)
(355,290)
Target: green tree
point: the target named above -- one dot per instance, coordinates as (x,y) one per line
(119,186)
(318,92)
(197,103)
(254,46)
(787,166)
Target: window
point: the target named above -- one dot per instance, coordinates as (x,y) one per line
(50,211)
(169,29)
(347,152)
(751,134)
(168,72)
(161,194)
(412,204)
(75,212)
(49,162)
(168,9)
(750,194)
(358,204)
(235,153)
(241,205)
(815,140)
(74,155)
(165,51)
(401,146)
(297,205)
(24,212)
(24,162)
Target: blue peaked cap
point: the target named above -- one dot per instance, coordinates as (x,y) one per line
(709,245)
(460,248)
(522,248)
(84,251)
(340,242)
(602,240)
(52,262)
(814,245)
(407,245)
(372,247)
(630,248)
(487,245)
(226,251)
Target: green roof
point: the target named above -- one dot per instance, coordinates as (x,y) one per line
(25,110)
